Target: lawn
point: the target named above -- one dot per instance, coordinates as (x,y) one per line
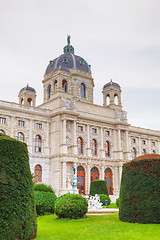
(107,227)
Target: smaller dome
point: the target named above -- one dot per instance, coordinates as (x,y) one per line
(111,84)
(28,89)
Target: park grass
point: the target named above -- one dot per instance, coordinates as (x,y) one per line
(107,227)
(112,205)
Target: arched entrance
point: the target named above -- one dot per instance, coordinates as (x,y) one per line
(94,174)
(108,179)
(81,179)
(38,173)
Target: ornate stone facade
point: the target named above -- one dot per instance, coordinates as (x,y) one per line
(69,130)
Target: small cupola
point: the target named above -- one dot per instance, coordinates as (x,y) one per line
(112,95)
(68,48)
(27,96)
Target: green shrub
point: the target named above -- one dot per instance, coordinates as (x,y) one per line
(71,206)
(42,187)
(117,202)
(98,187)
(18,215)
(140,190)
(44,202)
(103,198)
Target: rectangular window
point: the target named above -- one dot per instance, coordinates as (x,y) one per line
(107,133)
(38,125)
(21,123)
(133,140)
(2,120)
(80,128)
(143,142)
(153,144)
(94,130)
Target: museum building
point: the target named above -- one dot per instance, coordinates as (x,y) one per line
(68,130)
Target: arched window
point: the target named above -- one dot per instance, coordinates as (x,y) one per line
(83,90)
(94,147)
(80,145)
(55,86)
(2,132)
(38,173)
(115,99)
(107,100)
(153,151)
(49,91)
(38,143)
(81,179)
(20,136)
(29,101)
(108,179)
(94,174)
(65,85)
(107,149)
(134,153)
(144,151)
(21,101)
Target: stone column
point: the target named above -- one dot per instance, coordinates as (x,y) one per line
(12,126)
(158,147)
(102,151)
(115,180)
(149,146)
(119,155)
(102,173)
(64,175)
(74,138)
(47,140)
(88,142)
(64,145)
(120,174)
(127,152)
(88,179)
(30,144)
(140,153)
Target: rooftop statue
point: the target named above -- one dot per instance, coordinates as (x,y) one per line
(68,39)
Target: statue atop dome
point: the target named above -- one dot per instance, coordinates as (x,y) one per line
(68,39)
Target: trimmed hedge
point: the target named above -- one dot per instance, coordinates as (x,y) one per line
(98,187)
(71,206)
(18,215)
(43,187)
(140,190)
(117,202)
(44,202)
(103,198)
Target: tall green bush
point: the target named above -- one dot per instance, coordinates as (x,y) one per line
(98,187)
(18,215)
(71,206)
(140,190)
(43,187)
(44,202)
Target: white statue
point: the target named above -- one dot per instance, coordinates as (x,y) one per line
(94,203)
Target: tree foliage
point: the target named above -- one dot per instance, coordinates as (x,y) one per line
(140,190)
(71,206)
(44,202)
(98,187)
(18,215)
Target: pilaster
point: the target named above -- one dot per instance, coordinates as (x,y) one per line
(74,138)
(102,151)
(88,141)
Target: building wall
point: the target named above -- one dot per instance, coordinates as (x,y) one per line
(62,118)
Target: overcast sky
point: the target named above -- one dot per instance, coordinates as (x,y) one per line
(119,38)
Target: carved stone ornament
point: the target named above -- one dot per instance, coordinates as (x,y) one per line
(119,115)
(125,114)
(69,125)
